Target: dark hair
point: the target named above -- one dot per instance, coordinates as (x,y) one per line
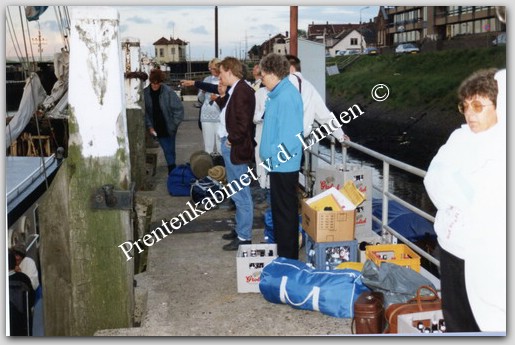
(234,65)
(294,61)
(156,76)
(275,64)
(480,83)
(20,249)
(12,260)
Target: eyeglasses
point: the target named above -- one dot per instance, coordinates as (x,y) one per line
(476,106)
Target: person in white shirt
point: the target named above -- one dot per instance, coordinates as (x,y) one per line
(313,104)
(26,264)
(210,112)
(466,181)
(259,115)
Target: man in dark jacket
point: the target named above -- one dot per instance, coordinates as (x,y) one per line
(237,139)
(164,113)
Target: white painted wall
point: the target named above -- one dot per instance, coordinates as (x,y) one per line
(96,91)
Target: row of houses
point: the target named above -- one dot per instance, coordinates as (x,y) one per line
(429,27)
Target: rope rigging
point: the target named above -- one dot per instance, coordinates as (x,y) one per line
(29,65)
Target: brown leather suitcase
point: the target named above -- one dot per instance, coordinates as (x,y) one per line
(369,313)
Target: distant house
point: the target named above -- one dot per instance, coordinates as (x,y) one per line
(276,44)
(326,32)
(347,40)
(172,50)
(340,37)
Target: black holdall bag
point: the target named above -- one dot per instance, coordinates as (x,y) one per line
(200,190)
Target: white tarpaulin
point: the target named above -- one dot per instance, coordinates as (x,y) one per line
(33,95)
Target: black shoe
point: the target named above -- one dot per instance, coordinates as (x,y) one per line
(235,244)
(230,236)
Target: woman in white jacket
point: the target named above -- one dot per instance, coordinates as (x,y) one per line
(466,181)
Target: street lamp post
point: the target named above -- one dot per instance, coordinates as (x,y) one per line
(361,29)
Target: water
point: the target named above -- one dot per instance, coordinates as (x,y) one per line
(406,186)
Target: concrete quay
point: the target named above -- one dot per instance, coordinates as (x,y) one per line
(189,287)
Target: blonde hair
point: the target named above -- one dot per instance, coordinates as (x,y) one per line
(214,63)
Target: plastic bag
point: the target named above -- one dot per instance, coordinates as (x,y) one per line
(397,283)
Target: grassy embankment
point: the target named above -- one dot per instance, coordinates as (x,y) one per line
(426,79)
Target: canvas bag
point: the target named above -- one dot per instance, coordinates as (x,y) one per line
(180,180)
(292,282)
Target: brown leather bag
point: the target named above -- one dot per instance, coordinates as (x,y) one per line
(369,313)
(417,304)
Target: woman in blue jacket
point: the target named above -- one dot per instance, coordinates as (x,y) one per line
(281,151)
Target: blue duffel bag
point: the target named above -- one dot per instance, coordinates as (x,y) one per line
(333,293)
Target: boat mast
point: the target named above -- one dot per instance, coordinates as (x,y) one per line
(294,19)
(216,31)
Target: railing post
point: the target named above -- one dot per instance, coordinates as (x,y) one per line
(385,235)
(333,150)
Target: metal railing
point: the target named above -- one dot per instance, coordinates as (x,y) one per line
(388,234)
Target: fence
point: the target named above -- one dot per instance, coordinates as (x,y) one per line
(389,234)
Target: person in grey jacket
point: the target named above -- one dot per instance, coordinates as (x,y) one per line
(164,113)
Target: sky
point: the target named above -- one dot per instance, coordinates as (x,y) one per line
(239,27)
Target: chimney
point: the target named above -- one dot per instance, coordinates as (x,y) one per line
(287,34)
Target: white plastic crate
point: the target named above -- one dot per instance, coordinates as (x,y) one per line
(249,267)
(406,323)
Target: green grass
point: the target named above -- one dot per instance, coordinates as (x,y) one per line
(428,79)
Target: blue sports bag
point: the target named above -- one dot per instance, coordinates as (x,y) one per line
(333,293)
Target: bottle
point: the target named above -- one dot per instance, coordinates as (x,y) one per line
(435,327)
(442,326)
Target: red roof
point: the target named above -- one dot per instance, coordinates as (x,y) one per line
(172,41)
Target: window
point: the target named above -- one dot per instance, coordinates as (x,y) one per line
(161,52)
(353,41)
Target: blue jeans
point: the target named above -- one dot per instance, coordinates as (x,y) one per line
(243,198)
(168,146)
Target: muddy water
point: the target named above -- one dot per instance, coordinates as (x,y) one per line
(407,186)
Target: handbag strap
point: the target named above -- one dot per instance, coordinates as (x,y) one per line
(283,295)
(425,299)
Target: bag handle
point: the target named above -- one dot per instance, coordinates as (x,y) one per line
(283,295)
(425,299)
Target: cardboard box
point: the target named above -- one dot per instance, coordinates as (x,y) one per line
(407,323)
(399,254)
(336,176)
(249,268)
(328,255)
(332,226)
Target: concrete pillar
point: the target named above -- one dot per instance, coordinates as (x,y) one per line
(87,283)
(135,109)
